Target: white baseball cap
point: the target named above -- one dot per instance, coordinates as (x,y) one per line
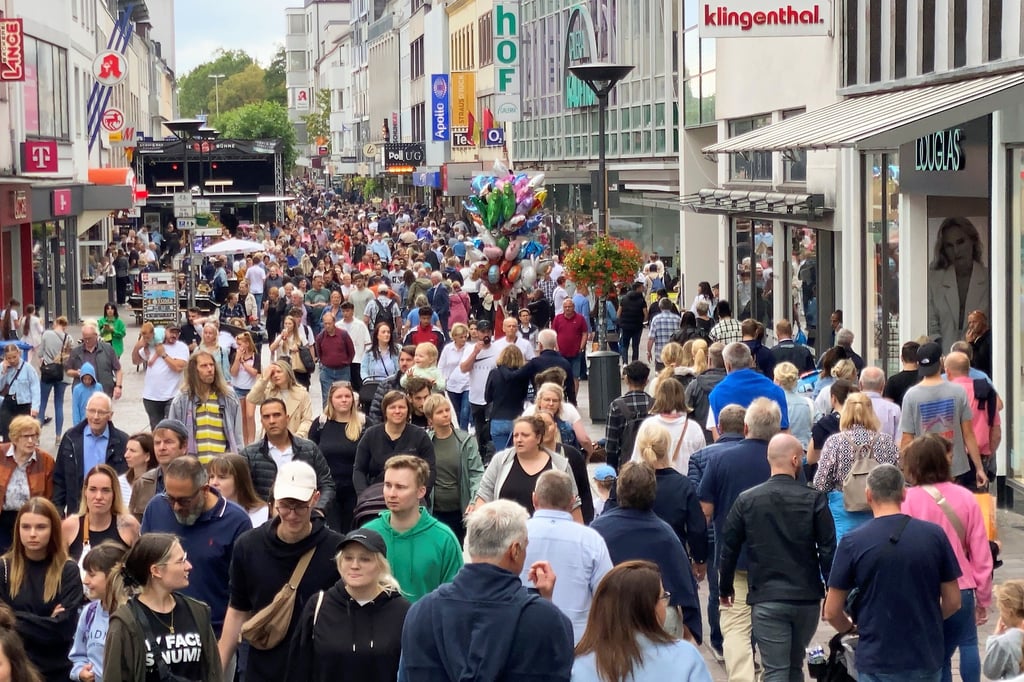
(295,481)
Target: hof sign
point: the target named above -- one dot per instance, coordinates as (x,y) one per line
(440,109)
(508,102)
(403,154)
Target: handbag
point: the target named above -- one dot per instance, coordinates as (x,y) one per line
(10,402)
(367,391)
(306,358)
(52,372)
(268,627)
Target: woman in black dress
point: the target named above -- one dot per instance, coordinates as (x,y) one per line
(337,432)
(101,516)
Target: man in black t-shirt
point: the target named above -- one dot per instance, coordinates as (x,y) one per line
(632,314)
(898,384)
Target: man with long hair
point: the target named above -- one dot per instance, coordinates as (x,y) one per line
(208,408)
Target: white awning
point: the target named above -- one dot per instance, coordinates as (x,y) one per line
(885,120)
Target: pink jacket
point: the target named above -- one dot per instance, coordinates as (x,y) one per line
(977,571)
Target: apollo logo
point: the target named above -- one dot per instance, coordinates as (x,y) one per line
(440,87)
(786,15)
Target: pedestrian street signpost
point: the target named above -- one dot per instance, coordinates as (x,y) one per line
(160,298)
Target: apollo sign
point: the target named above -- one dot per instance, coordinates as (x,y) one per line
(764,19)
(508,101)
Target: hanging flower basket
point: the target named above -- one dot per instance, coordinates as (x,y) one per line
(203,219)
(605,265)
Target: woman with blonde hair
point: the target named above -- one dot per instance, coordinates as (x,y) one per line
(800,407)
(43,587)
(353,631)
(675,501)
(210,343)
(843,369)
(669,410)
(337,432)
(245,369)
(695,352)
(550,397)
(24,455)
(101,516)
(278,381)
(677,366)
(288,341)
(229,474)
(858,436)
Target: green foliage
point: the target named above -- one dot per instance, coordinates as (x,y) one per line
(273,79)
(243,88)
(195,93)
(261,120)
(318,123)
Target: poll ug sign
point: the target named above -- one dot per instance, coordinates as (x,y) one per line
(508,100)
(764,19)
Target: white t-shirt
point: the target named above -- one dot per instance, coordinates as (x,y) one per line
(485,361)
(256,277)
(162,383)
(448,364)
(692,439)
(360,336)
(522,343)
(280,457)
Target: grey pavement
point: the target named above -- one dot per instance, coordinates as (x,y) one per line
(130,416)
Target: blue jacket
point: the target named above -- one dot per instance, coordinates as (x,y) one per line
(24,384)
(438,298)
(90,640)
(81,393)
(484,625)
(209,543)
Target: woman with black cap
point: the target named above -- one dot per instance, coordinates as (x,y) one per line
(352,631)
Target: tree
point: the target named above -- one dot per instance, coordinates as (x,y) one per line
(196,87)
(260,121)
(318,123)
(243,88)
(273,79)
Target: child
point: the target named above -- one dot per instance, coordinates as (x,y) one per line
(87,651)
(1003,650)
(83,391)
(425,366)
(604,478)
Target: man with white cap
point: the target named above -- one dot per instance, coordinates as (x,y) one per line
(295,547)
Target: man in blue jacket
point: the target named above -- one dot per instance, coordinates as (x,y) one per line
(484,625)
(437,296)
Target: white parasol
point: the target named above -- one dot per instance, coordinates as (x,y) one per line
(229,246)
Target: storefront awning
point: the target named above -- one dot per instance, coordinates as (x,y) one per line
(884,120)
(767,205)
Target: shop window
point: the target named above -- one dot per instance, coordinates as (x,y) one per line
(754,258)
(882,261)
(850,47)
(750,166)
(874,41)
(46,90)
(959,33)
(995,30)
(899,39)
(794,162)
(927,36)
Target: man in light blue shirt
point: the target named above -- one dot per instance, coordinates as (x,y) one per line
(577,554)
(872,383)
(380,247)
(94,445)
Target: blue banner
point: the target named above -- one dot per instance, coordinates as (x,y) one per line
(440,107)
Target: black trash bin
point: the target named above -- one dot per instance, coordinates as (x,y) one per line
(604,384)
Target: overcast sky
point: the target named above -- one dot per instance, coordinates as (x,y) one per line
(202,26)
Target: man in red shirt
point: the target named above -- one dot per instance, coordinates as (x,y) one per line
(571,329)
(424,332)
(335,350)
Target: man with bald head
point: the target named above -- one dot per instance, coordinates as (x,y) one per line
(788,532)
(872,383)
(985,406)
(91,442)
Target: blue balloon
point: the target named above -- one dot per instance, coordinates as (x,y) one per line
(470,207)
(533,221)
(531,249)
(478,243)
(494,274)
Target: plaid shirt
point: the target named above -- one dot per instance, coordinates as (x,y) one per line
(548,287)
(663,326)
(633,403)
(728,330)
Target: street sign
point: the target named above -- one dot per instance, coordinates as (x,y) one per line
(207,232)
(186,223)
(185,212)
(182,199)
(109,68)
(113,120)
(160,298)
(202,205)
(370,150)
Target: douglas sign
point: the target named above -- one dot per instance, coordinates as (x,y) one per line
(764,18)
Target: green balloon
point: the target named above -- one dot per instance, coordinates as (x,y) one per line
(503,243)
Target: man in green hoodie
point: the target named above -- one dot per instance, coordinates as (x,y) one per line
(422,551)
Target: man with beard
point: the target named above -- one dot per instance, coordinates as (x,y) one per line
(207,526)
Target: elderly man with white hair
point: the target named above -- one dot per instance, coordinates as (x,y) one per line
(102,357)
(484,625)
(872,383)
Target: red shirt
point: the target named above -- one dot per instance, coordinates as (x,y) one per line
(335,351)
(571,333)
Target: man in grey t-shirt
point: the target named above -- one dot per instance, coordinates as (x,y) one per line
(937,406)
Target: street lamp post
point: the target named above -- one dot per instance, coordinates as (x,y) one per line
(186,130)
(216,89)
(605,384)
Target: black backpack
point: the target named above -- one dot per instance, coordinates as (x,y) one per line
(629,431)
(383,313)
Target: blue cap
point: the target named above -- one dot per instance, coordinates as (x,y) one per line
(604,473)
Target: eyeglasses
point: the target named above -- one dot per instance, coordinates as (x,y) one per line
(183,501)
(97,413)
(665,596)
(180,562)
(283,507)
(29,436)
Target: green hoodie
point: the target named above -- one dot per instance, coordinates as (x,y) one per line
(421,558)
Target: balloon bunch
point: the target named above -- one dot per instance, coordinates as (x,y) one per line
(506,209)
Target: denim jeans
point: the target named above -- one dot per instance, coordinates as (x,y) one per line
(714,619)
(501,430)
(156,410)
(627,338)
(902,676)
(782,631)
(460,401)
(259,305)
(328,376)
(961,631)
(58,389)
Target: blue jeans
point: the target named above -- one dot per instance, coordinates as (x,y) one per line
(58,402)
(576,363)
(960,631)
(461,403)
(328,376)
(714,619)
(259,305)
(501,430)
(902,676)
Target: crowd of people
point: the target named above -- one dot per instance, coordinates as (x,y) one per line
(443,512)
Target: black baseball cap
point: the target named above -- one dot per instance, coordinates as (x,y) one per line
(483,325)
(929,359)
(370,539)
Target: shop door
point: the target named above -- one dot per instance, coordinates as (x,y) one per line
(811,274)
(753,256)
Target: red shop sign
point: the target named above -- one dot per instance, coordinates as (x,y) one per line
(12,50)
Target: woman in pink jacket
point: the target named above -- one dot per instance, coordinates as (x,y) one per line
(935,498)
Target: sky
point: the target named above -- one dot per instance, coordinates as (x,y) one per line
(203,26)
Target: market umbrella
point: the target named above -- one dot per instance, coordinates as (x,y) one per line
(229,246)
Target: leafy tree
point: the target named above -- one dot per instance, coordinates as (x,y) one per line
(318,123)
(196,87)
(274,80)
(261,120)
(243,88)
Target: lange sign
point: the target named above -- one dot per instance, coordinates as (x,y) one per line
(508,101)
(764,19)
(12,50)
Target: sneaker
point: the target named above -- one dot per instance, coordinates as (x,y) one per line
(47,420)
(717,653)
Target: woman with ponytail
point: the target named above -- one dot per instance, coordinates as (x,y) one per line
(43,587)
(153,617)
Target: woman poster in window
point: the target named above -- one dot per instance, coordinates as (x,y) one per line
(958,278)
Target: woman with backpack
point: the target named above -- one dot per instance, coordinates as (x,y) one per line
(846,459)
